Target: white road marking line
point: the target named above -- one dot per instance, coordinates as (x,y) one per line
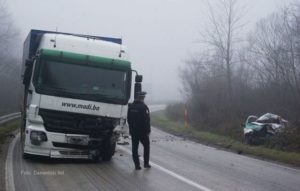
(179,177)
(9,176)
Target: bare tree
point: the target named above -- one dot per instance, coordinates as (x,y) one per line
(274,53)
(233,79)
(223,34)
(9,63)
(7,30)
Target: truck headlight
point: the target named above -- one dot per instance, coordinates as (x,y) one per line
(37,137)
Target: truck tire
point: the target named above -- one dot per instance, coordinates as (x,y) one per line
(108,150)
(95,159)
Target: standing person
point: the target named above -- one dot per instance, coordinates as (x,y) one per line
(139,128)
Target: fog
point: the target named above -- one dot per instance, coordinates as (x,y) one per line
(160,34)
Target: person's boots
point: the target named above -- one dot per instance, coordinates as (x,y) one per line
(147,166)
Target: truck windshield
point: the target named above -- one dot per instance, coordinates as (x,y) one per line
(82,82)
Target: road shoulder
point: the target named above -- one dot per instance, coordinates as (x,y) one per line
(7,136)
(4,147)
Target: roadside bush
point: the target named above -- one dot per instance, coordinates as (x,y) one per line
(231,127)
(289,140)
(228,126)
(175,112)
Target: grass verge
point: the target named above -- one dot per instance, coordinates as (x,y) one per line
(160,120)
(7,128)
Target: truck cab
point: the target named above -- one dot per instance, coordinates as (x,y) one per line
(76,91)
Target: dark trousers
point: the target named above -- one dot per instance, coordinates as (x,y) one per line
(144,139)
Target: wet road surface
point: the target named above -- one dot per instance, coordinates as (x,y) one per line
(177,164)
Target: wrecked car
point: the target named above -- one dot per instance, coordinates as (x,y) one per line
(256,130)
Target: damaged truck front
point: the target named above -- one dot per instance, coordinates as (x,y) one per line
(76,91)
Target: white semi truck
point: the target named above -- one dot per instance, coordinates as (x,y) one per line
(76,91)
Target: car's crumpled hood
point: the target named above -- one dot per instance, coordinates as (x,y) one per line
(255,126)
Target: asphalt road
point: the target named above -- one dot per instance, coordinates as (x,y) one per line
(177,164)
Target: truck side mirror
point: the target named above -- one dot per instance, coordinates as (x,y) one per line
(137,88)
(137,85)
(138,78)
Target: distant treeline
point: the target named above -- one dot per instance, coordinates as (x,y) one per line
(10,82)
(237,76)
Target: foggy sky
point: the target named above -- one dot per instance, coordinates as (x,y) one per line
(159,34)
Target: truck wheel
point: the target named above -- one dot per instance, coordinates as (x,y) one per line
(108,150)
(95,159)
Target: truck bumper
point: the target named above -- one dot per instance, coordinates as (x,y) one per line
(57,153)
(47,148)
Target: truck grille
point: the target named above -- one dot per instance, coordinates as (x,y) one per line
(74,123)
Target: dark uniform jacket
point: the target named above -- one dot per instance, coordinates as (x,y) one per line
(138,118)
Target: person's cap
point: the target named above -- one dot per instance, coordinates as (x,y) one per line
(141,94)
